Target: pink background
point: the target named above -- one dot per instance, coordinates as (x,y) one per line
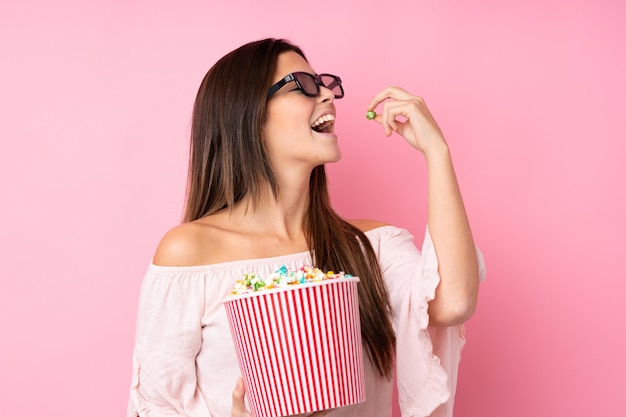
(95,102)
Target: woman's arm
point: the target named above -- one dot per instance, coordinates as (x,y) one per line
(168,339)
(457,293)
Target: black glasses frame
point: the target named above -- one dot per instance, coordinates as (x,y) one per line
(294,76)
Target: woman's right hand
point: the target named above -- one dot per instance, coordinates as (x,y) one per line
(239,406)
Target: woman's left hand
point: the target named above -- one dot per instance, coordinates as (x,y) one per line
(456,295)
(419,127)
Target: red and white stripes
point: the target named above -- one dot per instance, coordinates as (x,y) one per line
(299,349)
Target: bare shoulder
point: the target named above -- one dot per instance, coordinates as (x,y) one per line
(182,246)
(366,225)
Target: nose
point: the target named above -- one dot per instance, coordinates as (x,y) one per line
(325,95)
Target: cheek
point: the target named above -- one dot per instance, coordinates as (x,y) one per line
(287,120)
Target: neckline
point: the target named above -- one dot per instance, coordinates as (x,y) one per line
(244,262)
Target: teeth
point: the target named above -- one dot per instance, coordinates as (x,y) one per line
(323,119)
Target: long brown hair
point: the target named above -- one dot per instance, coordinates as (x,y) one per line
(228,162)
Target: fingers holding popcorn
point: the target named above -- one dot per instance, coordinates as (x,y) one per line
(407,115)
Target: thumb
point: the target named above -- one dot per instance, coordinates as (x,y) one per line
(239,406)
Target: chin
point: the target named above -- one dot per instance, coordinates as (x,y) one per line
(332,160)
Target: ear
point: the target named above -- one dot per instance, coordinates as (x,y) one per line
(263,131)
(262,135)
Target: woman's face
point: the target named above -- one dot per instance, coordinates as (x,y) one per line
(289,135)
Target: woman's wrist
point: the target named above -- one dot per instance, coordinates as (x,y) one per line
(437,153)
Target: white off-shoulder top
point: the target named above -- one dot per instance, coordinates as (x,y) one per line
(184,361)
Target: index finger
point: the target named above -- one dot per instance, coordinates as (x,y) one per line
(391,92)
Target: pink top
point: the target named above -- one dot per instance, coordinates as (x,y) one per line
(184,362)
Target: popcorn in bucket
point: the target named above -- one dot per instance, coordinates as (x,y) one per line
(297,336)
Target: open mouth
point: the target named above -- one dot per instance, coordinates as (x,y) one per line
(324,124)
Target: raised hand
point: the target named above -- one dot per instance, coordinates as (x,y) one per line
(408,115)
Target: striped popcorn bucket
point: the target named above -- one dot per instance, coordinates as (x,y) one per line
(299,348)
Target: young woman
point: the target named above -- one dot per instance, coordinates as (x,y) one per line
(262,130)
